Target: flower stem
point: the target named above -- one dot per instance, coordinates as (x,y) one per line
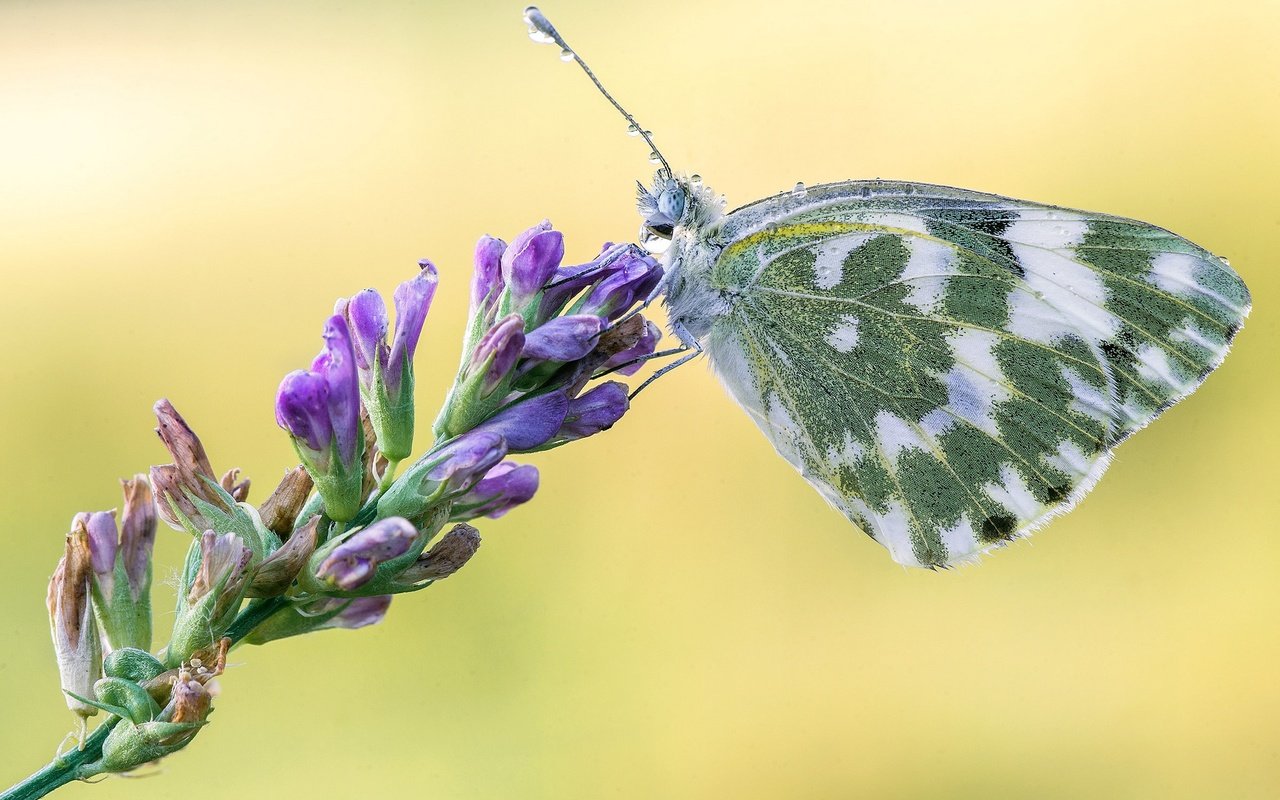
(70,765)
(63,769)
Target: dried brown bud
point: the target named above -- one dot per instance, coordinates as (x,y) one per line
(71,623)
(275,574)
(238,490)
(189,475)
(281,509)
(446,556)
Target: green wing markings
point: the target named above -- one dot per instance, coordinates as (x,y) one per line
(951,370)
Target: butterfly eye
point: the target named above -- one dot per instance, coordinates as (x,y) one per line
(671,204)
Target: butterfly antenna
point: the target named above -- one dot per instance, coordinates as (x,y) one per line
(542,31)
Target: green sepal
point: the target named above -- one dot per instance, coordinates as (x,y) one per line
(340,486)
(291,620)
(128,696)
(392,418)
(123,619)
(131,745)
(118,711)
(242,520)
(132,664)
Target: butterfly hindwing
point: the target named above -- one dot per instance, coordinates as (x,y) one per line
(950,368)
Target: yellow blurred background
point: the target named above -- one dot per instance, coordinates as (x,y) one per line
(186,187)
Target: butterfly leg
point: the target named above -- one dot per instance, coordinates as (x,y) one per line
(691,348)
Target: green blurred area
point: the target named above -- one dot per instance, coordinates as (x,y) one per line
(185,188)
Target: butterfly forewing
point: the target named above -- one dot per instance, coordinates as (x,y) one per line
(951,368)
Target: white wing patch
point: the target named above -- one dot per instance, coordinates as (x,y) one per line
(1061,296)
(976,384)
(845,336)
(926,273)
(1175,273)
(828,265)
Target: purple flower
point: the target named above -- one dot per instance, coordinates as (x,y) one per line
(531,261)
(354,562)
(360,612)
(320,408)
(564,338)
(594,411)
(463,461)
(413,300)
(530,423)
(631,279)
(503,488)
(628,361)
(486,282)
(450,469)
(496,353)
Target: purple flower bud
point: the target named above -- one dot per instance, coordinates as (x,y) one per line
(497,352)
(361,612)
(100,528)
(413,300)
(137,533)
(336,365)
(531,261)
(530,423)
(503,488)
(632,278)
(320,408)
(367,317)
(463,461)
(353,563)
(302,409)
(486,282)
(566,284)
(564,338)
(628,361)
(594,411)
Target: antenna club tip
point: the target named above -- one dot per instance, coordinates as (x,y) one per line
(534,16)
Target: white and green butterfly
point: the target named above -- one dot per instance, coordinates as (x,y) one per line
(949,369)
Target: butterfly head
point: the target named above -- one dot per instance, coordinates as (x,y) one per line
(672,202)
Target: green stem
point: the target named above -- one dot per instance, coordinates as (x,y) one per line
(70,766)
(64,769)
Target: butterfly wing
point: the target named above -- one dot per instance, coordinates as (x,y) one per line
(949,368)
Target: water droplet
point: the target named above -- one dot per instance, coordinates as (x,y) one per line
(798,190)
(771,227)
(632,130)
(695,179)
(654,158)
(566,55)
(652,242)
(540,36)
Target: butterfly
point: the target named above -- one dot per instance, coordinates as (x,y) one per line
(949,369)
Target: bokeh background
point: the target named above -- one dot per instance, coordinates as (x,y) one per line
(186,187)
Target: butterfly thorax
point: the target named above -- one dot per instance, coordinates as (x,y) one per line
(688,214)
